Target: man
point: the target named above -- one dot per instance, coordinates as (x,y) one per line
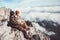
(19,24)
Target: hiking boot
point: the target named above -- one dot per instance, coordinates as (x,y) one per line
(27,37)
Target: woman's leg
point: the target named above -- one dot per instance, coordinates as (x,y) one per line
(25,26)
(24,32)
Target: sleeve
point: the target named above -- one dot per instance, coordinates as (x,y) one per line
(15,20)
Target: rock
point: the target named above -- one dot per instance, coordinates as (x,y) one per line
(29,23)
(9,33)
(53,27)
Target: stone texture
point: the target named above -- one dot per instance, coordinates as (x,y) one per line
(8,33)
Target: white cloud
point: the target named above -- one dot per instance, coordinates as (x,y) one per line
(26,3)
(43,16)
(18,4)
(12,4)
(32,15)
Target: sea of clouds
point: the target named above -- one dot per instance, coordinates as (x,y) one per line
(41,13)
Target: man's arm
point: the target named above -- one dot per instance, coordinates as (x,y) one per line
(14,20)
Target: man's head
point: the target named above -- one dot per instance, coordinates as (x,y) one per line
(11,12)
(17,12)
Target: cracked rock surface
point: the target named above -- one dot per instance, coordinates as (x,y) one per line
(9,33)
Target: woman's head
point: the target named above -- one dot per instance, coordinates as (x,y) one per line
(17,12)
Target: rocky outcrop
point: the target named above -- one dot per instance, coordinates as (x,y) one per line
(51,26)
(9,33)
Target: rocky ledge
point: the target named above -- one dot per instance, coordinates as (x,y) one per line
(9,33)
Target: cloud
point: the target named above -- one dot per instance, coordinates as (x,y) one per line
(14,4)
(10,4)
(17,4)
(39,3)
(35,12)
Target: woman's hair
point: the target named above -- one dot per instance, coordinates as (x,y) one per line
(17,12)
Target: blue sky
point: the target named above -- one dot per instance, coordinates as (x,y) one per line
(27,3)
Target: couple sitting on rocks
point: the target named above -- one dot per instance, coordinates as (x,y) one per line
(18,23)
